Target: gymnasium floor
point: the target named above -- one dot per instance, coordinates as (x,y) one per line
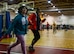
(62,42)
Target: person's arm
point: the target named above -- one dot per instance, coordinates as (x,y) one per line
(11,26)
(30,19)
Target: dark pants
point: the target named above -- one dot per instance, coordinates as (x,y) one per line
(20,40)
(36,37)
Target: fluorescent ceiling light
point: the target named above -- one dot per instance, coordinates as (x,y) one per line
(49,1)
(32,8)
(23,4)
(59,11)
(42,13)
(53,6)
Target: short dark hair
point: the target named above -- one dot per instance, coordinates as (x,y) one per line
(20,9)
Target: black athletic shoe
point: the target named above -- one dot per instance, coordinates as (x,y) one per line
(31,48)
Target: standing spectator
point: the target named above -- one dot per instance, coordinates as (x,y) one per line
(54,27)
(47,26)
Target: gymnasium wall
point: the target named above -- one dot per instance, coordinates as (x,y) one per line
(62,19)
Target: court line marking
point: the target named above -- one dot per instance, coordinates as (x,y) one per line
(59,48)
(11,52)
(40,47)
(52,47)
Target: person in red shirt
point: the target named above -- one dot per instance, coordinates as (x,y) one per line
(47,26)
(33,26)
(32,21)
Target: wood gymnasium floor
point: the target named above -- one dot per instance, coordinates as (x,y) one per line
(62,42)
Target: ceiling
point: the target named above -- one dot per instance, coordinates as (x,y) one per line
(61,5)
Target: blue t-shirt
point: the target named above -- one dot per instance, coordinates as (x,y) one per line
(19,25)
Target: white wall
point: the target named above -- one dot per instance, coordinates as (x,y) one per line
(62,19)
(49,19)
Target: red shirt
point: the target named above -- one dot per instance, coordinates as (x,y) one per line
(32,19)
(47,24)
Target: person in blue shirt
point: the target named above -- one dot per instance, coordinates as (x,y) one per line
(19,27)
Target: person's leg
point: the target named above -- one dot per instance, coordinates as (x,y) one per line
(13,45)
(22,41)
(36,37)
(53,30)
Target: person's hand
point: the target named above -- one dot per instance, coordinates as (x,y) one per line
(43,20)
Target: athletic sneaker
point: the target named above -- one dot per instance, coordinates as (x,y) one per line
(31,48)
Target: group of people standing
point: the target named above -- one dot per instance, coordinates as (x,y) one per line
(19,26)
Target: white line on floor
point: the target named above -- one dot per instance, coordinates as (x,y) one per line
(11,52)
